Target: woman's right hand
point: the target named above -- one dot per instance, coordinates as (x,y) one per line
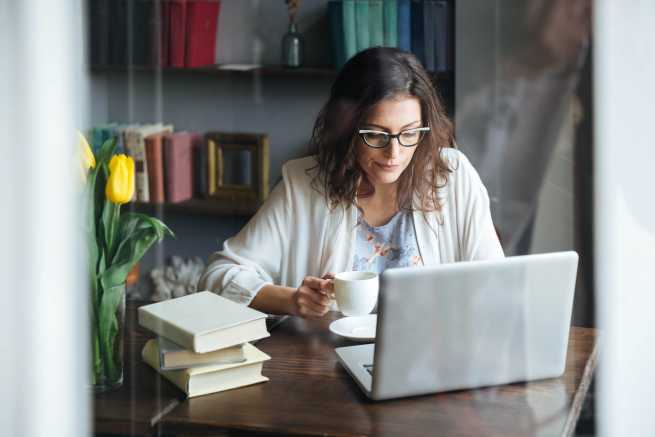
(312,298)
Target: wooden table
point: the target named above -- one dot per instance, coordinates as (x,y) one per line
(309,393)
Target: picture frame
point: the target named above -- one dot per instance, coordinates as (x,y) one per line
(238,168)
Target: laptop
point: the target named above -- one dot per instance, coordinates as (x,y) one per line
(467,325)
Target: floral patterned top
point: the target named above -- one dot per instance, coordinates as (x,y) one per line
(391,245)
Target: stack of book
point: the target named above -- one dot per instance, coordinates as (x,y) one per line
(420,26)
(170,166)
(166,33)
(204,343)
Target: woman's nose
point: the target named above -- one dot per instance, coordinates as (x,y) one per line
(393,148)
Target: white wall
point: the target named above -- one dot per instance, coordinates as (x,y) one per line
(624,41)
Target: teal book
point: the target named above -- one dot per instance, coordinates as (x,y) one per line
(390,23)
(349,32)
(362,25)
(335,20)
(376,23)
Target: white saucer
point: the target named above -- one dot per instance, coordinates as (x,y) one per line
(358,328)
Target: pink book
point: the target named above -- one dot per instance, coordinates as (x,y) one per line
(178,163)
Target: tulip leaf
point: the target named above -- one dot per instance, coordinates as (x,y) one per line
(108,327)
(105,152)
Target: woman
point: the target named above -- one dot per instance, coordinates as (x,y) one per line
(383,190)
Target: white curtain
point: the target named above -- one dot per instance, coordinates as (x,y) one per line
(43,309)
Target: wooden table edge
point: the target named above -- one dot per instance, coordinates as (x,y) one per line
(581,393)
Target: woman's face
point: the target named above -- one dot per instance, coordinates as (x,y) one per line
(384,166)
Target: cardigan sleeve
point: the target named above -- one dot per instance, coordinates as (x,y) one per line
(477,236)
(252,258)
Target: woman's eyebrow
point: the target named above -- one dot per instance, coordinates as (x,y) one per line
(386,129)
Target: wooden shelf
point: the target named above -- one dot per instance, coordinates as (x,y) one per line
(198,207)
(214,70)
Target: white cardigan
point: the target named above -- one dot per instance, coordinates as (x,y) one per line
(295,233)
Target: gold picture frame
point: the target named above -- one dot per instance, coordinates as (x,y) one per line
(251,187)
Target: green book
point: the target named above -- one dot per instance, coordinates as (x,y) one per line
(362,25)
(390,23)
(376,23)
(349,33)
(335,20)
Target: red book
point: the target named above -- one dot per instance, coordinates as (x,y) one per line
(155,163)
(201,26)
(164,33)
(178,163)
(177,10)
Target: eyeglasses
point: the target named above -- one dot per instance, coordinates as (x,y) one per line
(379,139)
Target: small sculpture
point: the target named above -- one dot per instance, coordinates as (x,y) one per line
(176,279)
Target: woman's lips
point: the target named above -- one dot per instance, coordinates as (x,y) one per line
(387,167)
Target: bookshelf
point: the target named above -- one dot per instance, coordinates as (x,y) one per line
(198,207)
(217,71)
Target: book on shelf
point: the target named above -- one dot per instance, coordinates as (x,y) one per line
(349,32)
(390,13)
(155,164)
(404,24)
(362,25)
(204,380)
(204,321)
(177,32)
(429,33)
(417,30)
(443,52)
(201,27)
(335,19)
(173,356)
(178,165)
(135,146)
(199,155)
(375,23)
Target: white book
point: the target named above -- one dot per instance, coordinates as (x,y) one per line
(204,322)
(172,356)
(204,380)
(135,145)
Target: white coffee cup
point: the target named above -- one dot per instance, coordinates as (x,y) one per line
(356,292)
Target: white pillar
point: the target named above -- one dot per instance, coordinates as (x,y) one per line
(624,93)
(44,309)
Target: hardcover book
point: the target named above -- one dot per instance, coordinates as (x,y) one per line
(201,26)
(155,163)
(204,380)
(349,32)
(173,356)
(362,25)
(178,165)
(177,32)
(204,321)
(376,23)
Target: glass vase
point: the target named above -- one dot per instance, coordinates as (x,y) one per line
(108,332)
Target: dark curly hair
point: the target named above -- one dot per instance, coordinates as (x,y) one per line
(369,77)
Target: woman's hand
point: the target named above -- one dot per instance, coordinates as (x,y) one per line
(312,298)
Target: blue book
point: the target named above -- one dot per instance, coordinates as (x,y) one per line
(429,33)
(404,25)
(335,20)
(443,37)
(417,33)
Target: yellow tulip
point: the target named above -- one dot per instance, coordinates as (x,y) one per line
(120,185)
(88,160)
